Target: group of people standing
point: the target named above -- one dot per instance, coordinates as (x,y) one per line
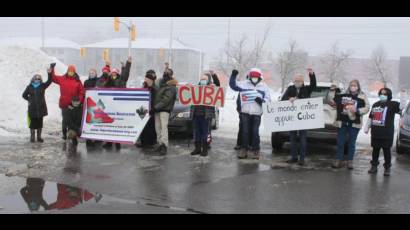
(351,106)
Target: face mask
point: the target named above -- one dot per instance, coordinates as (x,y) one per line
(114,77)
(298,85)
(76,103)
(254,80)
(203,82)
(70,74)
(353,89)
(383,97)
(92,75)
(37,81)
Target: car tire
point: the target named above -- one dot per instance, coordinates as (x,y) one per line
(277,142)
(399,149)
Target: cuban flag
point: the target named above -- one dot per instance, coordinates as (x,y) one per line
(249,96)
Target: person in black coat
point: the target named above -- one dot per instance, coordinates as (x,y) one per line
(299,91)
(74,118)
(381,123)
(148,136)
(91,82)
(37,106)
(32,194)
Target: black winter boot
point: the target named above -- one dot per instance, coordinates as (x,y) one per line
(386,169)
(373,169)
(39,139)
(117,146)
(205,148)
(197,149)
(32,136)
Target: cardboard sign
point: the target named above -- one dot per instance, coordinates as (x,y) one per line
(201,95)
(115,115)
(301,115)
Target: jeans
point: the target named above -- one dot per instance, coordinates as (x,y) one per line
(250,130)
(386,153)
(294,144)
(341,136)
(161,127)
(201,125)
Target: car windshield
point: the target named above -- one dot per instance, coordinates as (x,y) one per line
(320,92)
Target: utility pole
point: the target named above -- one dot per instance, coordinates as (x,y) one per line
(42,33)
(170,41)
(229,41)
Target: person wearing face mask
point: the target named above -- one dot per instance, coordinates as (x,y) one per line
(299,91)
(202,116)
(381,123)
(251,110)
(148,136)
(117,79)
(74,117)
(103,79)
(91,82)
(37,106)
(164,101)
(70,85)
(351,106)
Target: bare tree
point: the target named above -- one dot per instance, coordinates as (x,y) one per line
(334,63)
(289,62)
(241,56)
(379,67)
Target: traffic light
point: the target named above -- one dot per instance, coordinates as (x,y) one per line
(82,52)
(116,24)
(106,55)
(161,52)
(133,32)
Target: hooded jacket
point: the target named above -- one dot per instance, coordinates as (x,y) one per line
(37,106)
(165,96)
(252,108)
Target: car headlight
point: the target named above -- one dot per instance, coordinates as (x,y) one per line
(184,115)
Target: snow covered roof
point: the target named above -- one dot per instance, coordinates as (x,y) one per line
(140,43)
(54,42)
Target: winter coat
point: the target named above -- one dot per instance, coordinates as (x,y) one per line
(69,87)
(362,107)
(382,119)
(165,96)
(152,91)
(202,110)
(68,197)
(90,83)
(304,91)
(37,106)
(120,81)
(252,108)
(74,118)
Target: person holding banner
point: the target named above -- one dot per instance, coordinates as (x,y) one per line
(164,101)
(299,91)
(254,92)
(381,123)
(351,106)
(117,80)
(217,83)
(148,136)
(202,117)
(70,85)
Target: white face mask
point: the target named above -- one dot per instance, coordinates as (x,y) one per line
(298,85)
(76,103)
(353,89)
(254,80)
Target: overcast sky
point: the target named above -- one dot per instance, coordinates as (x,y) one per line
(315,35)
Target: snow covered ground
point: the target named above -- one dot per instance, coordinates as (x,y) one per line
(17,67)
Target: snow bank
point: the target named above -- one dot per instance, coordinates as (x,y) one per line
(17,66)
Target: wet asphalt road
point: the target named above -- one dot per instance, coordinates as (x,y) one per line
(137,181)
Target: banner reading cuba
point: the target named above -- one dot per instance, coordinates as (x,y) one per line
(115,115)
(201,95)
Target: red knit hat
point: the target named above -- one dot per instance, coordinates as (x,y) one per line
(71,68)
(106,69)
(255,72)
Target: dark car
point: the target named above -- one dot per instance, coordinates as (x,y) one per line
(325,135)
(403,135)
(180,120)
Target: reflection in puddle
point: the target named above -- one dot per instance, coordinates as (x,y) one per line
(37,195)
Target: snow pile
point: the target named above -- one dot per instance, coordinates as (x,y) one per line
(17,66)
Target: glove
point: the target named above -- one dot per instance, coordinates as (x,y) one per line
(52,65)
(259,101)
(235,72)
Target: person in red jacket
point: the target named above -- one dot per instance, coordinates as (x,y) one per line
(70,85)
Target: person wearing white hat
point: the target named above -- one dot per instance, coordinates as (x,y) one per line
(254,92)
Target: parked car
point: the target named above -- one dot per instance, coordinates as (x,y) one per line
(403,135)
(324,135)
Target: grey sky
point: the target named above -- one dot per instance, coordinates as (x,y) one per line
(315,35)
